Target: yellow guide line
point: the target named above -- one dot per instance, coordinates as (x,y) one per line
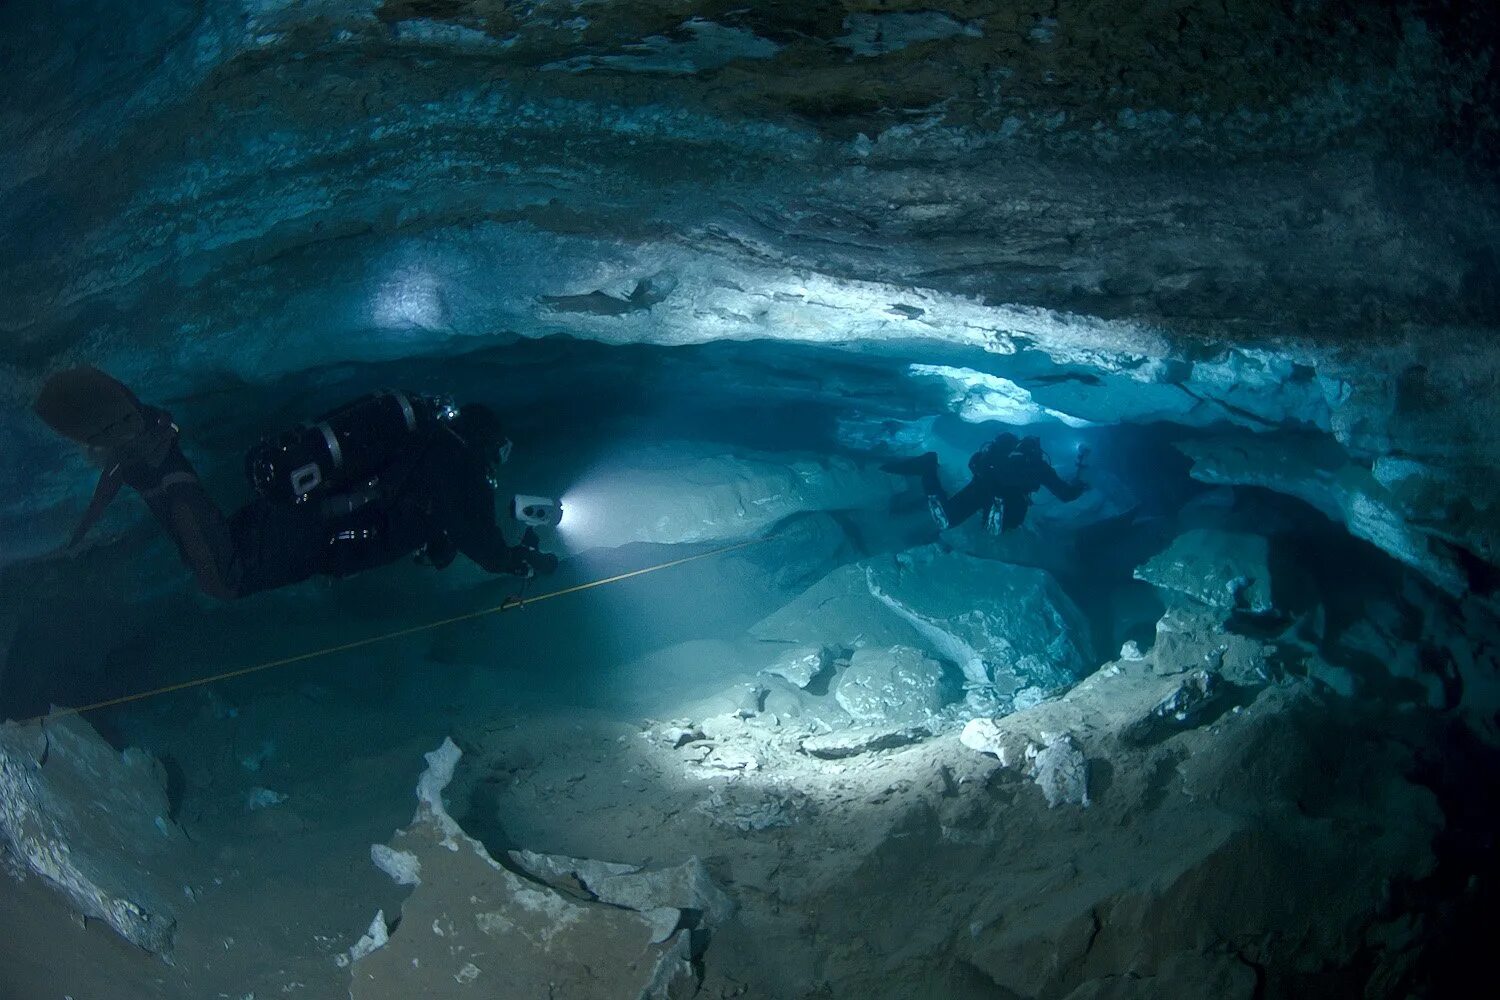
(384,637)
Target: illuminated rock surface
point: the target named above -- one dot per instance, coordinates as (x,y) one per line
(471,924)
(94,824)
(716,265)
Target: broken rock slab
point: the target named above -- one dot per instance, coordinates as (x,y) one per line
(472,928)
(798,666)
(94,823)
(1227,570)
(896,686)
(686,889)
(1006,627)
(1318,471)
(863,739)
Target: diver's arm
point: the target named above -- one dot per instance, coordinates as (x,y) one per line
(472,528)
(1064,491)
(105,492)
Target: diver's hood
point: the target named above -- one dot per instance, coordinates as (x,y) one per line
(90,407)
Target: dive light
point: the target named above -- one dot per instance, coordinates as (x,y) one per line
(537,512)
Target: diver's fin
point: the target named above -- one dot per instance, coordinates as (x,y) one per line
(88,406)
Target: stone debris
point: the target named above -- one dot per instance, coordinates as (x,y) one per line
(989,737)
(749,809)
(1192,638)
(93,823)
(374,938)
(1197,701)
(731,758)
(470,922)
(684,887)
(262,798)
(402,866)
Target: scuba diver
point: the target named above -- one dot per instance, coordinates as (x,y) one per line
(1006,472)
(385,476)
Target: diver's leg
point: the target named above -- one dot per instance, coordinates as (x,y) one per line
(926,466)
(196,526)
(962,505)
(1015,512)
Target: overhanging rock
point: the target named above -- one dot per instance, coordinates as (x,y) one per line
(472,928)
(1318,472)
(93,823)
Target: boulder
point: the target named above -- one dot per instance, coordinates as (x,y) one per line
(895,686)
(1227,570)
(987,736)
(1006,627)
(798,666)
(1062,773)
(471,927)
(94,824)
(1191,637)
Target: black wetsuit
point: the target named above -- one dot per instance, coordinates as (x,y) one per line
(436,496)
(1007,481)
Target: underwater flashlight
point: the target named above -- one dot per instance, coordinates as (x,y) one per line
(537,512)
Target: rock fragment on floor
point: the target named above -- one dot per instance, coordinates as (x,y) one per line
(864,739)
(798,666)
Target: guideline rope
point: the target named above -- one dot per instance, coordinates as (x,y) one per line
(506,605)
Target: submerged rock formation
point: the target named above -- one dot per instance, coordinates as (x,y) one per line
(1005,628)
(576,928)
(94,823)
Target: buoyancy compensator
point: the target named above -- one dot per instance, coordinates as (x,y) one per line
(987,462)
(345,450)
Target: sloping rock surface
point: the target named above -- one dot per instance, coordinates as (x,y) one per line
(472,928)
(93,823)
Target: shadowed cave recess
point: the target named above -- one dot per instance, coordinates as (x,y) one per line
(1225,725)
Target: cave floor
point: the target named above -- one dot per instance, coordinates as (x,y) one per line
(928,870)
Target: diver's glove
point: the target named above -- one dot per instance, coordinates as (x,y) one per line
(528,560)
(544,563)
(532,562)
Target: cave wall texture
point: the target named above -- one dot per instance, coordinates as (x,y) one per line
(1269,214)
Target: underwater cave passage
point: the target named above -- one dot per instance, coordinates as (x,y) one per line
(651,500)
